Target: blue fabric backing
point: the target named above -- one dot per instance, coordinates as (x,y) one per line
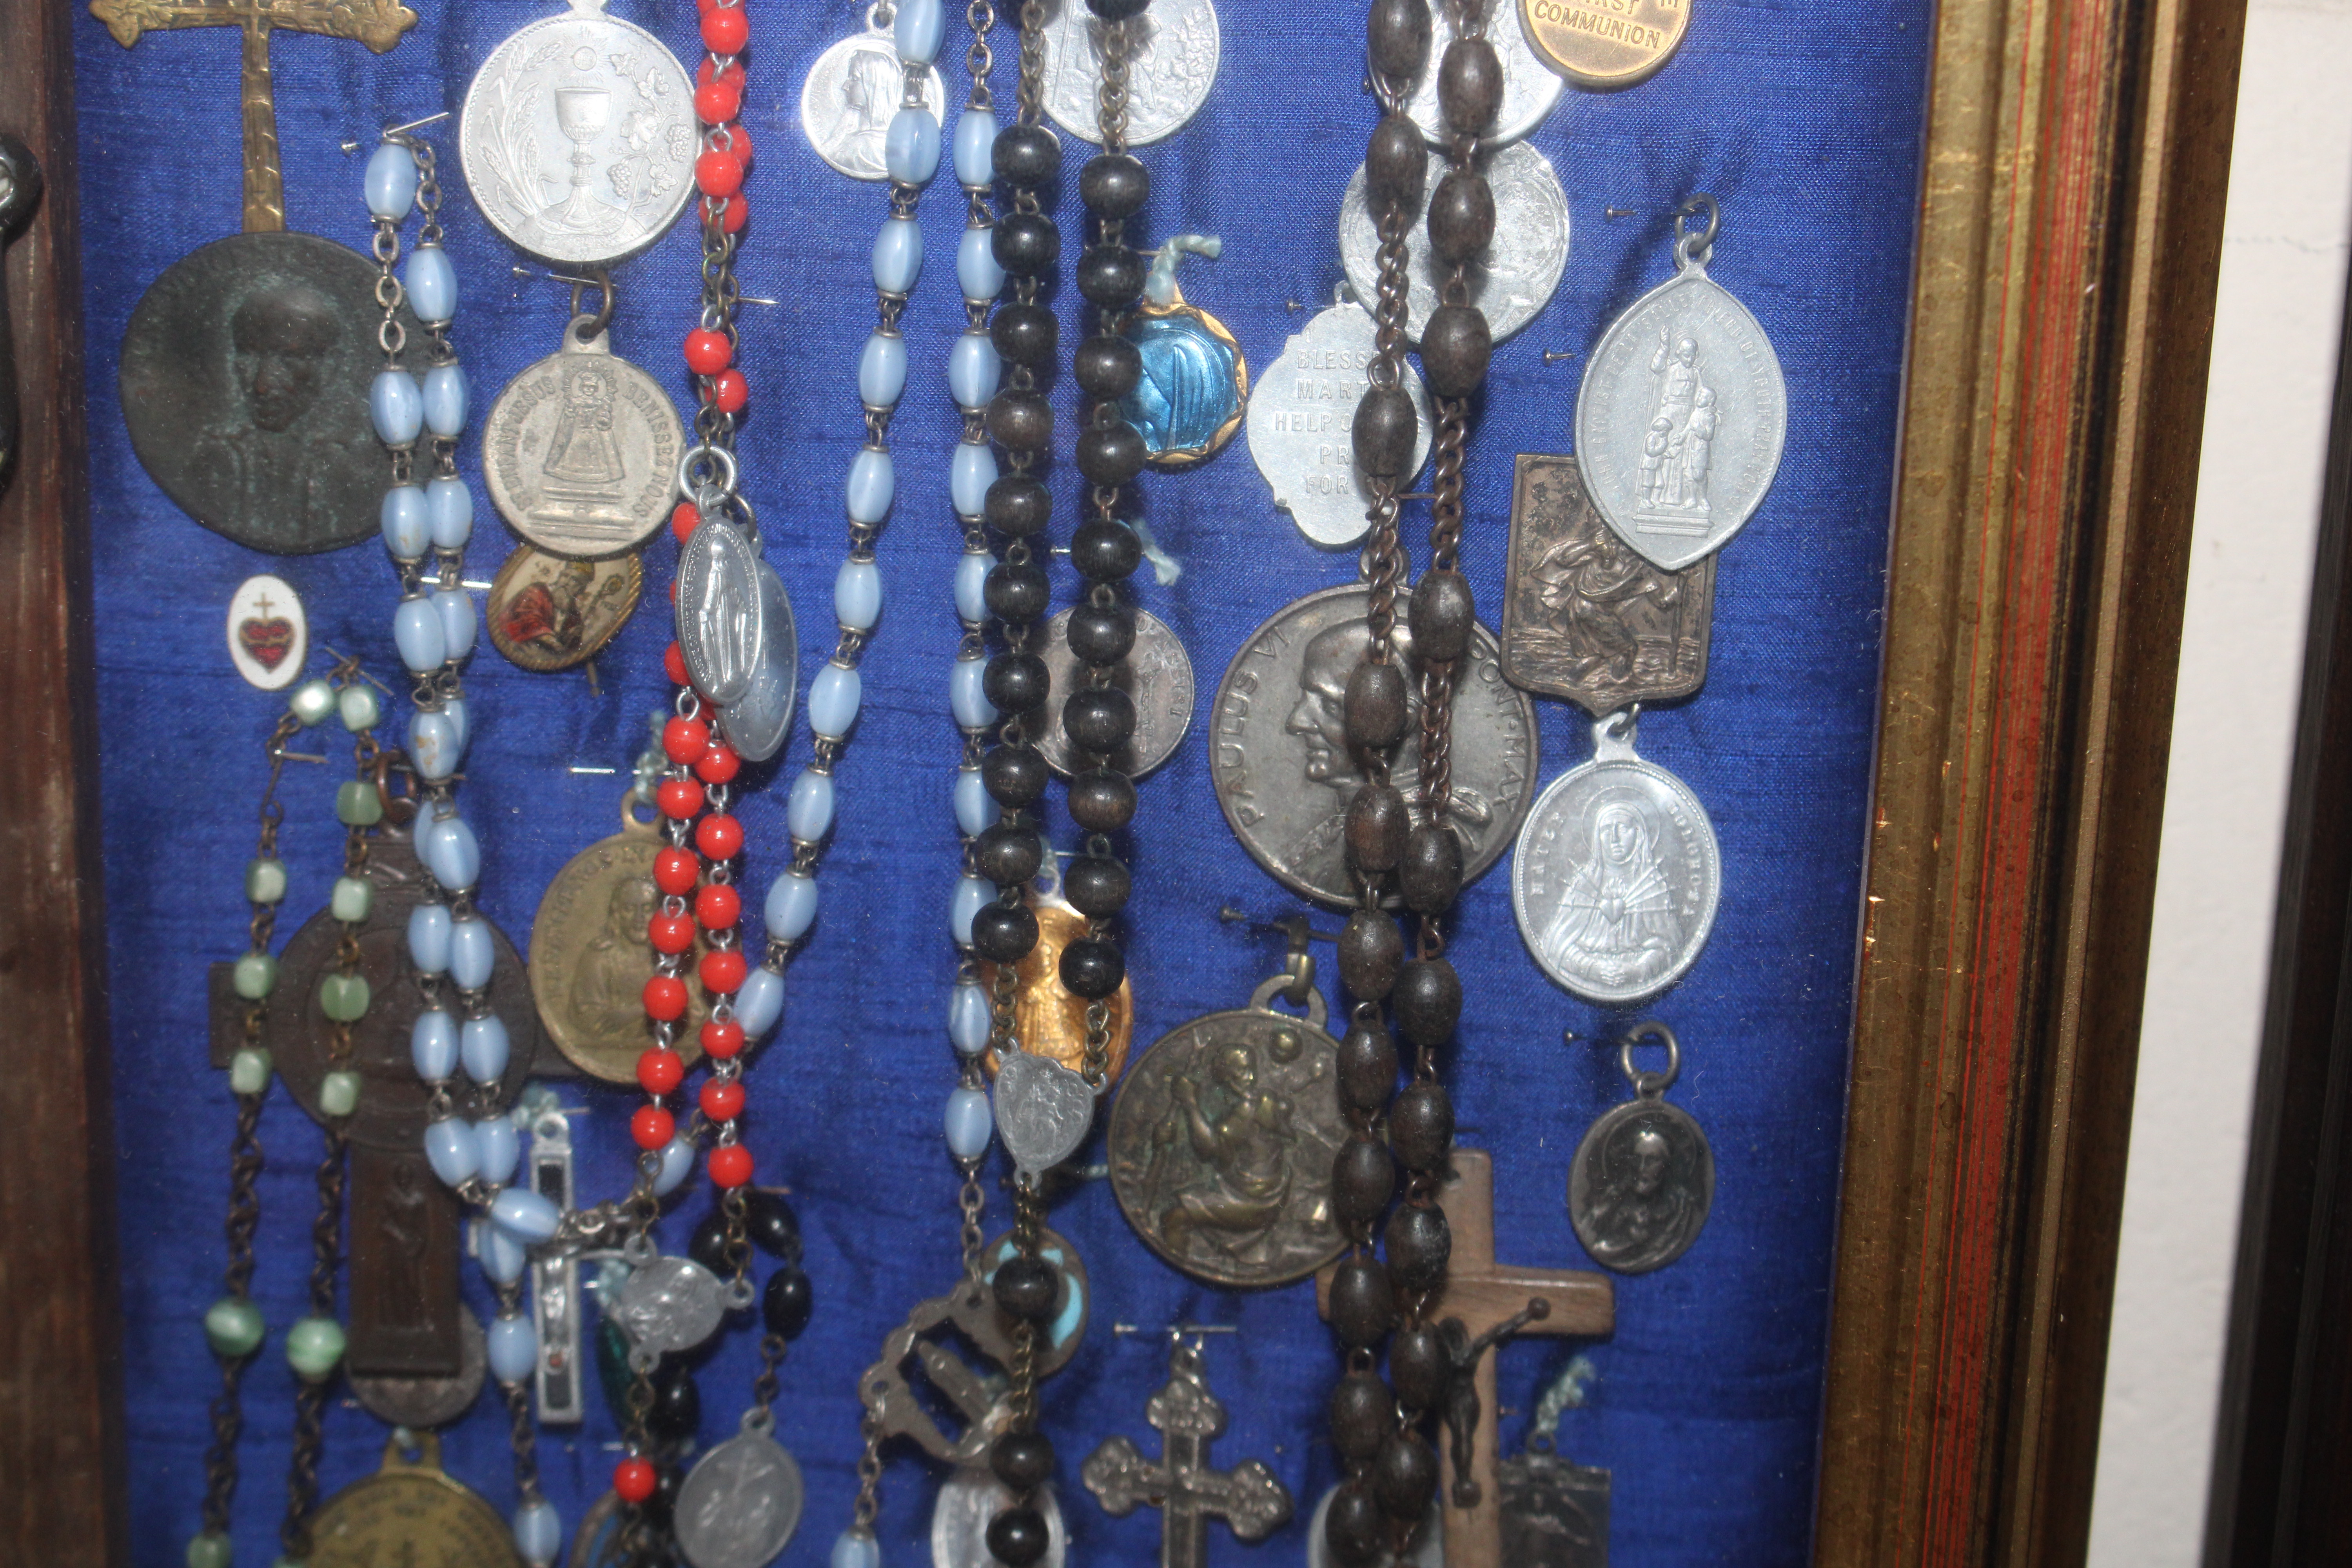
(1804,121)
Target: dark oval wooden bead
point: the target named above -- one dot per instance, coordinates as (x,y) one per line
(1371,951)
(1105,552)
(788,1302)
(706,1244)
(1018,505)
(1025,334)
(1363,1180)
(1429,872)
(1110,455)
(676,1411)
(1354,1530)
(1092,968)
(1014,776)
(1028,1288)
(1384,432)
(1015,681)
(1099,719)
(1405,1476)
(1456,349)
(1023,1460)
(1377,704)
(1361,1414)
(1367,1068)
(1114,184)
(1461,218)
(1428,1001)
(1017,590)
(1017,1537)
(1027,245)
(1420,1127)
(1117,10)
(1027,155)
(1111,276)
(1009,853)
(1003,935)
(1419,1369)
(769,1222)
(1363,1308)
(1418,1245)
(1442,611)
(1377,825)
(1396,38)
(1096,886)
(1107,367)
(1102,800)
(1470,84)
(1023,421)
(1396,168)
(1101,634)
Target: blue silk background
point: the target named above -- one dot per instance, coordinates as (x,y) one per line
(1803,120)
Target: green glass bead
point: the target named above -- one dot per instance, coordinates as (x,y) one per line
(314,1346)
(357,805)
(209,1550)
(359,707)
(344,997)
(355,897)
(255,976)
(265,880)
(248,1070)
(339,1094)
(232,1327)
(313,701)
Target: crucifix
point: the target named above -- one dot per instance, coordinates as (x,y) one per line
(1489,1301)
(378,23)
(1248,1497)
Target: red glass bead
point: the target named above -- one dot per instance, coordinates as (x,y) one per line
(652,1127)
(666,998)
(708,352)
(729,391)
(719,837)
(725,29)
(722,1099)
(731,1166)
(679,798)
(717,906)
(669,934)
(723,971)
(736,140)
(659,1070)
(717,764)
(675,871)
(684,739)
(711,71)
(673,665)
(722,1037)
(716,103)
(717,173)
(634,1480)
(737,213)
(683,521)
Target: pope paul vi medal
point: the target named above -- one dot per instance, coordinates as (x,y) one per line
(1617,875)
(409,1513)
(849,98)
(578,137)
(1521,269)
(1643,1181)
(1603,44)
(1300,432)
(1278,754)
(1683,413)
(741,1501)
(1221,1140)
(1172,58)
(581,450)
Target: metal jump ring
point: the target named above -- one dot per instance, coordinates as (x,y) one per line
(603,316)
(1690,247)
(1648,1085)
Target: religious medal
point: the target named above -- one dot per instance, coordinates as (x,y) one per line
(736,633)
(970,1497)
(1530,90)
(1426,1550)
(849,96)
(590,954)
(1554,1511)
(1522,267)
(1156,673)
(409,1513)
(546,612)
(669,1304)
(581,450)
(268,636)
(1612,44)
(1065,1324)
(1683,413)
(1222,1140)
(741,1501)
(614,95)
(1170,68)
(1644,1179)
(1047,1019)
(1248,1498)
(1044,1112)
(420,1403)
(1189,400)
(1618,874)
(1586,618)
(1299,433)
(1278,754)
(755,722)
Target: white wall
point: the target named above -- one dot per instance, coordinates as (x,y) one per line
(2286,238)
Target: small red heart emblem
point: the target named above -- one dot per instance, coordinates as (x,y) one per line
(268,641)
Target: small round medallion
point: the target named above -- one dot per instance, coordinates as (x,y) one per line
(1072,1305)
(1603,45)
(848,97)
(967,1500)
(1050,1021)
(1530,90)
(412,1513)
(418,1403)
(1157,674)
(1194,386)
(268,634)
(740,1503)
(668,1304)
(547,613)
(1426,1550)
(1521,270)
(580,451)
(1643,1181)
(1170,67)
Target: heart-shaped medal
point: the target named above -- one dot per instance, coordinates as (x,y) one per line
(1044,1110)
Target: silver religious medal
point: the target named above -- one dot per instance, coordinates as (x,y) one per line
(1683,413)
(1172,63)
(850,95)
(1278,756)
(1156,673)
(1300,430)
(1426,1548)
(755,723)
(1617,875)
(1644,1179)
(741,1501)
(1530,90)
(579,137)
(1249,1499)
(581,450)
(718,610)
(670,1303)
(1521,267)
(1044,1112)
(967,1500)
(1188,403)
(268,634)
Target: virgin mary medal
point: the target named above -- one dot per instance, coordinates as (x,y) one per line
(1643,1178)
(735,632)
(1683,413)
(741,1501)
(850,95)
(409,1511)
(1300,433)
(1188,402)
(1617,875)
(581,450)
(578,139)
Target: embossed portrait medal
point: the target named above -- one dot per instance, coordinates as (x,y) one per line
(1299,432)
(581,450)
(1643,1178)
(1682,414)
(850,95)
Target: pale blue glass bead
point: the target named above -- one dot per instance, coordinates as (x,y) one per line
(808,811)
(538,1533)
(433,1045)
(791,908)
(471,953)
(524,1215)
(971,586)
(396,406)
(975,148)
(501,1148)
(456,608)
(857,595)
(974,368)
(760,1003)
(833,701)
(483,1047)
(973,809)
(444,400)
(676,1165)
(968,695)
(503,1257)
(969,1123)
(969,1020)
(428,938)
(921,24)
(391,181)
(454,706)
(977,273)
(910,148)
(432,744)
(970,473)
(898,256)
(851,1550)
(449,849)
(432,285)
(417,632)
(406,520)
(449,1149)
(970,894)
(450,505)
(872,484)
(882,370)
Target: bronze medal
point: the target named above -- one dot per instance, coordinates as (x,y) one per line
(412,1513)
(546,612)
(1604,44)
(1049,1020)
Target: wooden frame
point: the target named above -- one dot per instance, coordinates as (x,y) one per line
(2069,237)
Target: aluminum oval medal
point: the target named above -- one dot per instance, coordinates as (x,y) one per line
(741,1501)
(755,722)
(719,612)
(1521,269)
(848,99)
(1641,1186)
(579,137)
(580,451)
(1617,876)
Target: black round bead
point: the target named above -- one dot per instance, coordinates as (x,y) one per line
(1027,155)
(1376,826)
(1418,1368)
(1405,1476)
(1018,505)
(1015,681)
(1363,1180)
(1372,950)
(1105,552)
(1383,430)
(769,1222)
(1361,1414)
(1367,1068)
(1111,276)
(1023,421)
(1003,935)
(787,1302)
(1428,1001)
(1396,38)
(1470,84)
(1354,1530)
(1396,167)
(1443,611)
(1455,347)
(1377,704)
(1117,10)
(1101,634)
(1017,1537)
(1110,455)
(1017,590)
(1107,367)
(1006,854)
(1461,218)
(676,1411)
(1028,1288)
(1418,1244)
(707,1244)
(1092,968)
(1420,1126)
(1430,874)
(1114,184)
(1098,718)
(1027,245)
(1023,1460)
(1102,800)
(1363,1308)
(1014,776)
(1025,334)
(662,1507)
(1096,886)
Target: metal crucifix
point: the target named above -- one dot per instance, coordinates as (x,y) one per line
(1248,1497)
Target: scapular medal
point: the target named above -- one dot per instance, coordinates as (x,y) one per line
(1188,402)
(1682,414)
(1643,1180)
(852,93)
(1618,874)
(409,1511)
(1300,425)
(580,451)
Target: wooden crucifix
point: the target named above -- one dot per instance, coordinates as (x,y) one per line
(1248,1497)
(1484,1296)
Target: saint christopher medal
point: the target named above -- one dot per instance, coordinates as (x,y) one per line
(1683,413)
(851,95)
(1300,430)
(581,450)
(1188,402)
(741,1501)
(1617,875)
(1643,1178)
(614,95)
(409,1511)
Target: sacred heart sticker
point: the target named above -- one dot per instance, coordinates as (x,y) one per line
(268,636)
(1044,1110)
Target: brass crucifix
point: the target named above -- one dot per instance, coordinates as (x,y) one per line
(1248,1497)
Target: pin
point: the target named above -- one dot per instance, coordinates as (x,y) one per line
(390,131)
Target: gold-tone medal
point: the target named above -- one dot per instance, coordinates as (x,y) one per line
(1604,44)
(410,1512)
(548,612)
(1048,1020)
